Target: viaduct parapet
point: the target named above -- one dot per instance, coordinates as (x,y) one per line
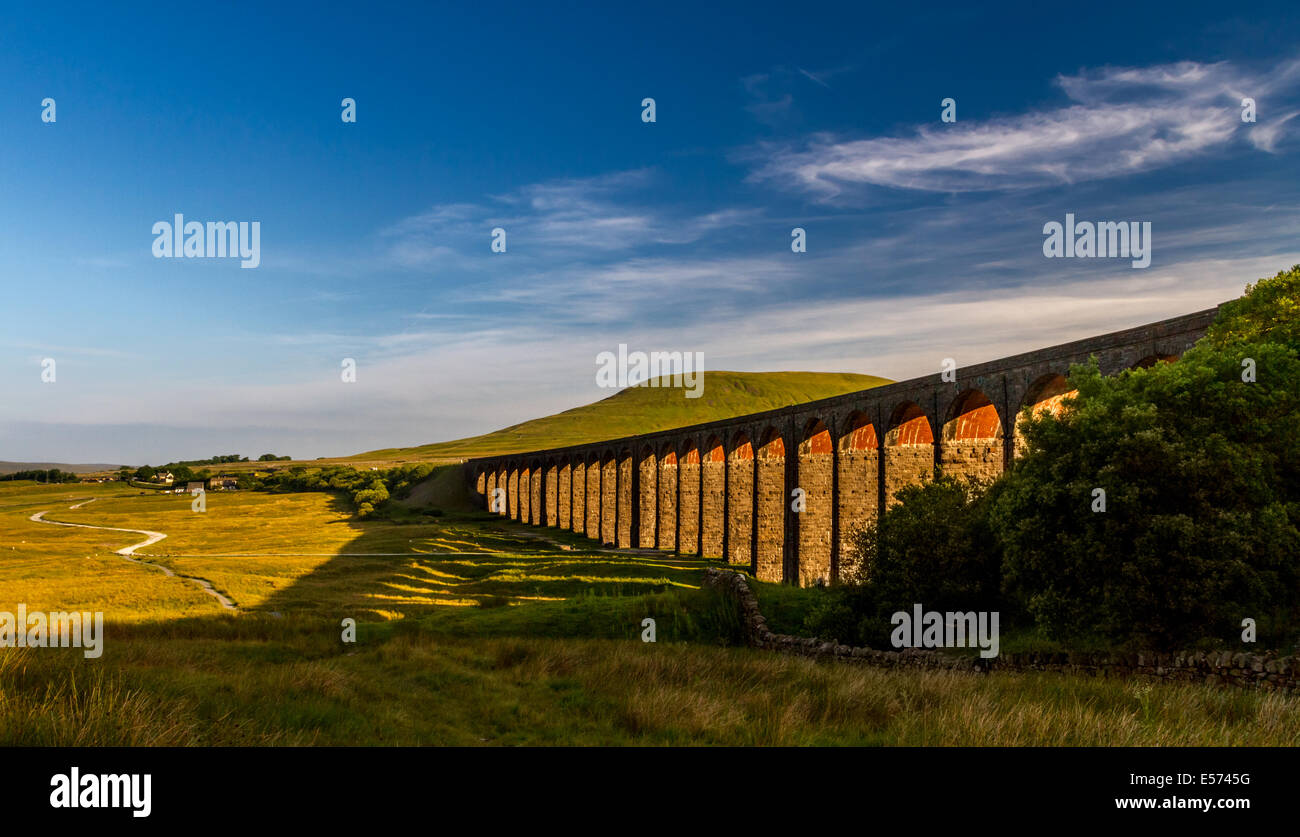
(727,489)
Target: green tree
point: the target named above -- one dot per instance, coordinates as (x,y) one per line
(1201,474)
(934,548)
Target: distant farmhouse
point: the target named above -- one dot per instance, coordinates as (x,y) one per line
(164,477)
(222,482)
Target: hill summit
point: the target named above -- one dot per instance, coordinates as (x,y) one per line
(646,409)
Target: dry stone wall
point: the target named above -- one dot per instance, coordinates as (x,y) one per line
(1224,668)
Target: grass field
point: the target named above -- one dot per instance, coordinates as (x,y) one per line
(474,631)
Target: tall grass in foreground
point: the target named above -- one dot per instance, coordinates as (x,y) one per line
(479,633)
(39,708)
(410,686)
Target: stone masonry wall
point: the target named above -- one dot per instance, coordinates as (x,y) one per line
(906,465)
(668,503)
(649,501)
(740,510)
(859,478)
(688,472)
(593,500)
(534,506)
(757,478)
(564,498)
(608,501)
(552,486)
(815,478)
(714,476)
(980,459)
(771,518)
(625,501)
(578,484)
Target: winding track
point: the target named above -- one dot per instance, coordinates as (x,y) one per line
(128,552)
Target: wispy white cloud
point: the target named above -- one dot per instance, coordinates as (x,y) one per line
(594,262)
(818,78)
(1121,121)
(603,214)
(451,382)
(1265,135)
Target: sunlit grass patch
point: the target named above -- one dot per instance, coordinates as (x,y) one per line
(529,643)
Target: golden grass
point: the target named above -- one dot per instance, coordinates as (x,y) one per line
(295,553)
(55,567)
(436,663)
(417,688)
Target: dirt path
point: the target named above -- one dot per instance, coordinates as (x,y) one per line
(128,552)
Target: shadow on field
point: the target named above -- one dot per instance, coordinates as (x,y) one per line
(402,570)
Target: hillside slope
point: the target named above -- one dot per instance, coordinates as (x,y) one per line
(12,467)
(644,410)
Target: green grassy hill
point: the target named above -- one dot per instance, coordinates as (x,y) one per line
(644,410)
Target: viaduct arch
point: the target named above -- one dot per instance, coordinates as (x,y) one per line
(723,489)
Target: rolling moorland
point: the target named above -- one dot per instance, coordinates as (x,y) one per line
(475,630)
(643,410)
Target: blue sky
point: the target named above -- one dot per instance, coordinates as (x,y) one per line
(924,238)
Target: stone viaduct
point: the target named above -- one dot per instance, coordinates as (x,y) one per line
(727,489)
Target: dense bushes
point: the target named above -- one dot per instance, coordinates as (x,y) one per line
(1201,528)
(368,491)
(1201,471)
(936,544)
(40,475)
(934,548)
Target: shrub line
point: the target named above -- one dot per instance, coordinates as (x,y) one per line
(1267,671)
